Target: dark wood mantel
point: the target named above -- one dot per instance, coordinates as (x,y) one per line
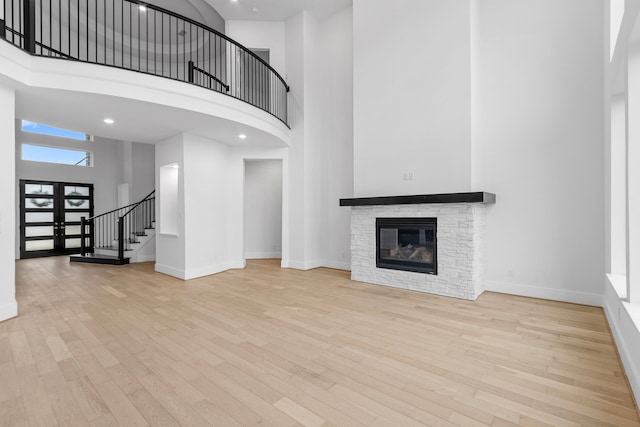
(475,197)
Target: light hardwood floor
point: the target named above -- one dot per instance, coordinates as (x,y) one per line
(101,345)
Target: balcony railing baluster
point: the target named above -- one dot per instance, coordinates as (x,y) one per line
(208,58)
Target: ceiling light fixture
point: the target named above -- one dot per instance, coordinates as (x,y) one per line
(242,136)
(109,121)
(142,8)
(254,10)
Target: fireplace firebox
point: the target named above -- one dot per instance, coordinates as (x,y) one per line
(408,244)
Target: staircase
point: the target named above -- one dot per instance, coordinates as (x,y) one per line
(121,236)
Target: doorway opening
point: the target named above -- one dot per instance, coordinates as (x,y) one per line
(263,209)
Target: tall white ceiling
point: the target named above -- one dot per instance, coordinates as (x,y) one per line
(275,10)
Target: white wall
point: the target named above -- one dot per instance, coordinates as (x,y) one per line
(336,118)
(320,73)
(8,304)
(295,52)
(538,144)
(315,155)
(143,177)
(263,209)
(205,206)
(411,111)
(261,35)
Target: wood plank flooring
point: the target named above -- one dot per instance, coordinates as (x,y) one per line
(99,345)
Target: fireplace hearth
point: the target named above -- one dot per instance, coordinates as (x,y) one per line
(407,244)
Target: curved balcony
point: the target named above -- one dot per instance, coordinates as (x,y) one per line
(138,36)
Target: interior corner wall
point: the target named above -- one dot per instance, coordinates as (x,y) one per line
(538,144)
(295,51)
(315,155)
(337,136)
(261,35)
(412,95)
(8,304)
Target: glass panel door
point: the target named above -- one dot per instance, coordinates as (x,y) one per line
(50,215)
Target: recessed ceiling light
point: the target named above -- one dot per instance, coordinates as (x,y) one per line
(109,121)
(242,136)
(142,8)
(254,10)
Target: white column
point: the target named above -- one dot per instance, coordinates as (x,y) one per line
(633,176)
(8,304)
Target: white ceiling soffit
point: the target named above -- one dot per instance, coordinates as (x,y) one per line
(134,120)
(275,10)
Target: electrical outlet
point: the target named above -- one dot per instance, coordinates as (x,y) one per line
(411,176)
(509,273)
(405,176)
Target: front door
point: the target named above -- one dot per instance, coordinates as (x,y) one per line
(50,215)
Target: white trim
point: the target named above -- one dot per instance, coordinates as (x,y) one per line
(303,265)
(617,316)
(309,265)
(237,264)
(337,265)
(180,274)
(194,273)
(263,255)
(9,311)
(544,293)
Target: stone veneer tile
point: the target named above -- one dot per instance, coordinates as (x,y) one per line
(461,228)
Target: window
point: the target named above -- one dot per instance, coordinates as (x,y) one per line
(52,131)
(65,156)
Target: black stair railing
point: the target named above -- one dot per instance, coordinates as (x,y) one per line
(138,36)
(120,228)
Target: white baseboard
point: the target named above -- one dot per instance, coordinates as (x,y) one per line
(309,265)
(263,255)
(519,289)
(192,273)
(8,310)
(207,270)
(180,274)
(302,265)
(338,265)
(626,334)
(238,264)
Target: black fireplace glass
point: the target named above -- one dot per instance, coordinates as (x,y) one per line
(408,244)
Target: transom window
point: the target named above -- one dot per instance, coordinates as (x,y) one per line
(32,127)
(65,156)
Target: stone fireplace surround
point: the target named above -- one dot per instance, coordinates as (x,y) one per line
(461,228)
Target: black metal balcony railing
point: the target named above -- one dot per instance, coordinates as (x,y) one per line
(137,36)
